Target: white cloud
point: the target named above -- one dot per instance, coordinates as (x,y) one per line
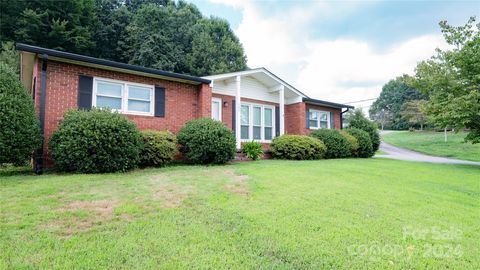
(339,70)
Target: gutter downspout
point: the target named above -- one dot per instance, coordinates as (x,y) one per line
(43,94)
(341,118)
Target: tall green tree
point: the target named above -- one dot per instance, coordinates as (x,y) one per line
(451,79)
(163,34)
(394,94)
(159,36)
(111,32)
(215,48)
(412,111)
(62,25)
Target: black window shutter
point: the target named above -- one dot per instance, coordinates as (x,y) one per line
(308,117)
(233,117)
(159,101)
(332,120)
(277,121)
(85,89)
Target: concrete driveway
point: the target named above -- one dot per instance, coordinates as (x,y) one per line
(394,152)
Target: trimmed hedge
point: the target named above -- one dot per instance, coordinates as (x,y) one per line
(252,150)
(20,131)
(297,147)
(207,141)
(365,149)
(352,141)
(95,141)
(159,148)
(337,145)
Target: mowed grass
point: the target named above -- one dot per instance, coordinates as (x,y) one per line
(329,214)
(433,143)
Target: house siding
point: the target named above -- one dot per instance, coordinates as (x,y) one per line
(183,102)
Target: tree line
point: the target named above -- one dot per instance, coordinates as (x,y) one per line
(162,34)
(444,90)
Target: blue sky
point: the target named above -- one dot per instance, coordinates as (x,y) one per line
(339,50)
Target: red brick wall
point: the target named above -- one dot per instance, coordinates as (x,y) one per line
(183,102)
(296,121)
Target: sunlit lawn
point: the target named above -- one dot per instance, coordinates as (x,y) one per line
(433,143)
(330,214)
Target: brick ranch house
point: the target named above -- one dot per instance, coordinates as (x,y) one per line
(255,104)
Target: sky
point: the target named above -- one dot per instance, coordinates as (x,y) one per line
(339,51)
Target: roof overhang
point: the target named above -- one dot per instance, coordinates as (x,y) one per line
(326,103)
(88,61)
(261,74)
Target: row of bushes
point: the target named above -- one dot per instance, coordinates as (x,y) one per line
(103,141)
(323,143)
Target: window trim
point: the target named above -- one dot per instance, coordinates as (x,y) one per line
(220,104)
(124,96)
(318,119)
(262,122)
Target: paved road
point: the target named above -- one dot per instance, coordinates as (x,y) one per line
(394,152)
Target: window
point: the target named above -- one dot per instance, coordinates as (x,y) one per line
(318,119)
(245,122)
(268,123)
(256,122)
(217,109)
(123,96)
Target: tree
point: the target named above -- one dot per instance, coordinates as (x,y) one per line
(357,119)
(20,134)
(111,33)
(163,34)
(451,79)
(63,25)
(10,57)
(412,111)
(215,49)
(159,36)
(394,94)
(176,37)
(383,117)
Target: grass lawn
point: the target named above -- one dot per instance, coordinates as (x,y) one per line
(329,214)
(433,143)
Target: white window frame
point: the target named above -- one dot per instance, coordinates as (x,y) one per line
(262,122)
(125,88)
(318,112)
(220,105)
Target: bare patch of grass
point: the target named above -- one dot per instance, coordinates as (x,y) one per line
(98,212)
(238,183)
(172,196)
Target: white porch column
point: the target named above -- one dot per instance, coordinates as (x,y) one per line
(281,94)
(238,107)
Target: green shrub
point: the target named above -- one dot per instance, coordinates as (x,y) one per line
(159,148)
(95,141)
(352,141)
(365,148)
(19,127)
(207,141)
(297,147)
(337,145)
(358,120)
(252,150)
